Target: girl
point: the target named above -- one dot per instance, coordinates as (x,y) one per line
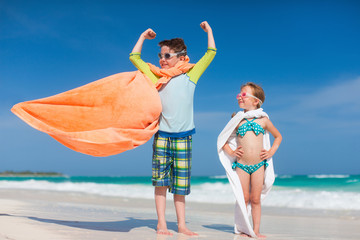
(245,152)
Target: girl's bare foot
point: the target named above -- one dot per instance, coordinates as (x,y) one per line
(187,232)
(259,236)
(243,235)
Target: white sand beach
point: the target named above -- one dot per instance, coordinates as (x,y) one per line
(29,214)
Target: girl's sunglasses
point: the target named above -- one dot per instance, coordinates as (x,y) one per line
(169,55)
(245,94)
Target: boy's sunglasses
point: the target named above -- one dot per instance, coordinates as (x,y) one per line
(169,55)
(245,94)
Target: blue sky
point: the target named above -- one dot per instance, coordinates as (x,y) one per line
(305,54)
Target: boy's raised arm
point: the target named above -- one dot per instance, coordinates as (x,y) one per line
(148,34)
(206,27)
(135,57)
(204,62)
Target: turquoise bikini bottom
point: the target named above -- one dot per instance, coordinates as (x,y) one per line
(250,168)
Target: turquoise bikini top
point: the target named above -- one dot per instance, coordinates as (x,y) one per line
(250,126)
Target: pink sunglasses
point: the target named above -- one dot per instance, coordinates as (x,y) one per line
(245,94)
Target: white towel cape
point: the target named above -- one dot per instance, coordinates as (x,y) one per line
(242,212)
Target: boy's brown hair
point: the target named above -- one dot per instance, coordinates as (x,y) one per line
(258,91)
(176,44)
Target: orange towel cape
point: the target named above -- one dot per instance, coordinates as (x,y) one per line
(105,117)
(167,74)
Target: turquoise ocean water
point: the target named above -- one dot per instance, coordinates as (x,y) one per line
(311,191)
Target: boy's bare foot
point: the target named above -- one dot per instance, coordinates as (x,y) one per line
(162,229)
(259,236)
(163,232)
(187,232)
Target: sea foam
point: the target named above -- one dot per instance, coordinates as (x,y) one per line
(203,193)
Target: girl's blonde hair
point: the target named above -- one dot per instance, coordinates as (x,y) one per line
(257,91)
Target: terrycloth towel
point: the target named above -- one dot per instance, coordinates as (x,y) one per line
(105,117)
(102,118)
(242,212)
(166,74)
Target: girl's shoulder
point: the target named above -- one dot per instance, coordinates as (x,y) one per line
(263,118)
(257,119)
(262,121)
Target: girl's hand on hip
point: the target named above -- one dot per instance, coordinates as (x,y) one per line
(238,152)
(264,154)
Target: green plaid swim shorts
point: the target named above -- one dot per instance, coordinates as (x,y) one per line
(171,163)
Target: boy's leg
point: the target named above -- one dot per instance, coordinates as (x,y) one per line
(160,202)
(161,166)
(182,149)
(179,201)
(257,181)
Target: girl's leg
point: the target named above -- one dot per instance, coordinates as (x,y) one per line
(160,202)
(245,184)
(257,181)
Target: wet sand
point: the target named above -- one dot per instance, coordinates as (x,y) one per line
(27,214)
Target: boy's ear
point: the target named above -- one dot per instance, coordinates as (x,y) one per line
(182,58)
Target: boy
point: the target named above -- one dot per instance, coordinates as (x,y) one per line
(176,81)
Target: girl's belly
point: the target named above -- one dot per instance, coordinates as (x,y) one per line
(252,146)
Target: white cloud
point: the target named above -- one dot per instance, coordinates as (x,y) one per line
(211,120)
(342,95)
(22,24)
(334,107)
